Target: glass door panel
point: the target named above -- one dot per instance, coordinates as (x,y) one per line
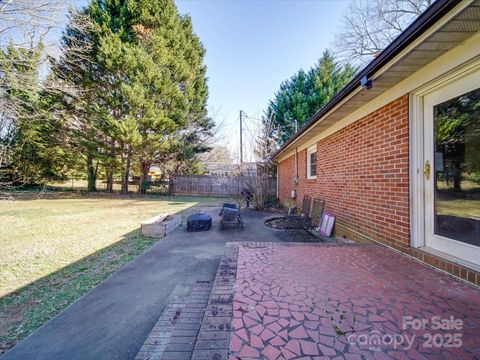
(456,170)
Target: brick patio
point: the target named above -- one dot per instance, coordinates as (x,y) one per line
(318,301)
(315,301)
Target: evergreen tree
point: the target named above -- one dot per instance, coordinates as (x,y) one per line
(304,94)
(169,65)
(145,81)
(78,70)
(33,137)
(265,146)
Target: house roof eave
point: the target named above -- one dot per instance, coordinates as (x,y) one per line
(427,19)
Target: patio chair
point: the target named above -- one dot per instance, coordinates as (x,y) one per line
(310,216)
(317,212)
(305,211)
(231,217)
(227,206)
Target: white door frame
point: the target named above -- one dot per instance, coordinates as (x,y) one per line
(468,72)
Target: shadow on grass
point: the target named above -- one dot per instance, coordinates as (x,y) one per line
(29,307)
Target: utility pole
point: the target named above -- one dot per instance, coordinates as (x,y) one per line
(296,125)
(241,139)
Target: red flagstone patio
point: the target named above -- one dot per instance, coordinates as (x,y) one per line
(348,302)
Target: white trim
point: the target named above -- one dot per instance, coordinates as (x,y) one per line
(416,183)
(453,75)
(296,164)
(312,149)
(450,85)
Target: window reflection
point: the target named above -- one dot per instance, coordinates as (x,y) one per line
(457,168)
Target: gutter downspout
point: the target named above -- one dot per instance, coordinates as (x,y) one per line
(295,178)
(278,180)
(296,165)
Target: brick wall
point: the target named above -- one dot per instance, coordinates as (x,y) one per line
(286,171)
(363,176)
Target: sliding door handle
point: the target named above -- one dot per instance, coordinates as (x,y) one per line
(427,170)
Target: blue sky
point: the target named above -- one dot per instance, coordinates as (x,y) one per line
(252,46)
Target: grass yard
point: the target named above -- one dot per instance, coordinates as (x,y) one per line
(459,207)
(55,250)
(454,205)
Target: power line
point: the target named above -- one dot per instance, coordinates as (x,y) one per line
(253,118)
(293,126)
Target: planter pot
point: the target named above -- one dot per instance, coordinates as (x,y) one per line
(161,225)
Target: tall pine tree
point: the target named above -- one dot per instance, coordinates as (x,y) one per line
(32,135)
(304,94)
(145,81)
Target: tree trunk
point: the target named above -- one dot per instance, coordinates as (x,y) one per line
(457,178)
(109,174)
(126,174)
(110,168)
(91,174)
(142,186)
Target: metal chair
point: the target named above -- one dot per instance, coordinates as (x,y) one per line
(231,217)
(305,211)
(227,206)
(310,215)
(317,212)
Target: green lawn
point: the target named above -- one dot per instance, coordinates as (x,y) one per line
(452,204)
(459,207)
(55,250)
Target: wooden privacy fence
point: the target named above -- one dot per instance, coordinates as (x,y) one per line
(212,185)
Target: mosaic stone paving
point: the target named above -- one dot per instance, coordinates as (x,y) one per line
(348,302)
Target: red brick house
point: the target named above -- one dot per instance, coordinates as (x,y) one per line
(398,162)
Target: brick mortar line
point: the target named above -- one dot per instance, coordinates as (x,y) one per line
(213,338)
(163,334)
(181,346)
(159,337)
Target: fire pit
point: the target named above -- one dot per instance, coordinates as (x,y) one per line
(199,222)
(282,223)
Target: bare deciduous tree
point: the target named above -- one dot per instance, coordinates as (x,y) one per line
(219,154)
(370,25)
(264,147)
(24,24)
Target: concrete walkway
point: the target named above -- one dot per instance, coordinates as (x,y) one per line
(113,320)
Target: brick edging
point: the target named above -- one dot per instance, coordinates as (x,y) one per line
(174,335)
(159,337)
(213,340)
